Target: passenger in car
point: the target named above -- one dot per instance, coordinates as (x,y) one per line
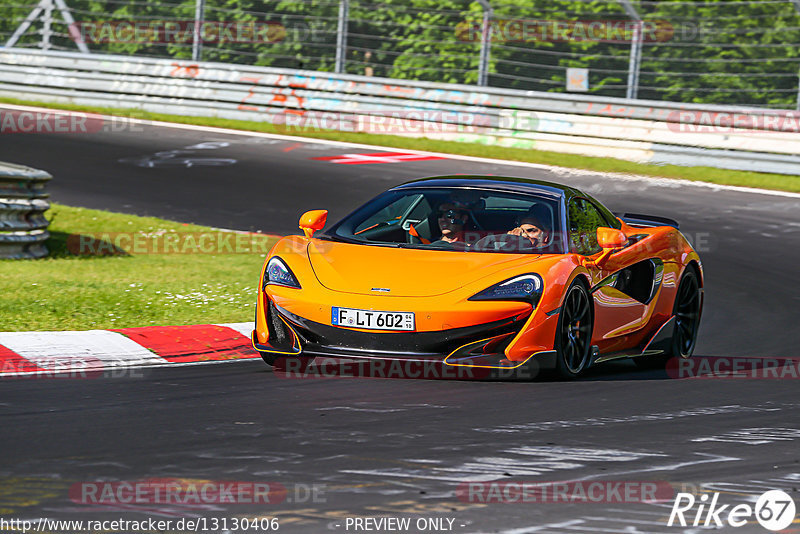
(531,227)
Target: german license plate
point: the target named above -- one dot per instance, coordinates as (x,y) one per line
(374,320)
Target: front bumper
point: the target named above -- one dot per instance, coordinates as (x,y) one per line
(478,346)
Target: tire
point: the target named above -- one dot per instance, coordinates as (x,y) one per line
(687,315)
(573,343)
(686,310)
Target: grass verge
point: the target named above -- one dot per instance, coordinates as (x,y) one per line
(705,174)
(196,285)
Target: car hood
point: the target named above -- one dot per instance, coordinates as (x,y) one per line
(372,270)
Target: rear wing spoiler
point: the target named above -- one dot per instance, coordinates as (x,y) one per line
(636,219)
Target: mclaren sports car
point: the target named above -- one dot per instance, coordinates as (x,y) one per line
(485,272)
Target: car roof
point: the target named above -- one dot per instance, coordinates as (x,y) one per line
(496,183)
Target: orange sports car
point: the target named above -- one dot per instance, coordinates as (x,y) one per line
(485,272)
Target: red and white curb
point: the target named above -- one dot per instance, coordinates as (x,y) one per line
(97,351)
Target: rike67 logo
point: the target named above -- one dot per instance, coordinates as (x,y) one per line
(774,510)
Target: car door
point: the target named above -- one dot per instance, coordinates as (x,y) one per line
(620,306)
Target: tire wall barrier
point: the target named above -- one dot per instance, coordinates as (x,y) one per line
(23,227)
(748,139)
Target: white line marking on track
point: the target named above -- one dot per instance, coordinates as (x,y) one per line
(246,329)
(566,171)
(753,436)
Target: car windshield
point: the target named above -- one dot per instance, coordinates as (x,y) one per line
(470,220)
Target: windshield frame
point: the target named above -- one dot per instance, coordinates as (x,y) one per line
(558,200)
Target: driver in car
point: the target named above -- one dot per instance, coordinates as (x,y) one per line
(452,218)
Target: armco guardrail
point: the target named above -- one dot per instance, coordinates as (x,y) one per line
(23,227)
(644,131)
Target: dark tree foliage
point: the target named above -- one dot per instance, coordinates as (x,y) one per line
(723,51)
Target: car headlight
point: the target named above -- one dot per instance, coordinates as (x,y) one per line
(527,287)
(278,273)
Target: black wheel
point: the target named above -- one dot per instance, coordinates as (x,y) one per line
(687,315)
(574,333)
(686,311)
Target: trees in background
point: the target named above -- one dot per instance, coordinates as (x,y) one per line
(727,52)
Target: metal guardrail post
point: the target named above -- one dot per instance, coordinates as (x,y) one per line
(197,41)
(47,22)
(67,16)
(341,35)
(636,50)
(797,7)
(47,5)
(22,28)
(23,227)
(486,43)
(635,62)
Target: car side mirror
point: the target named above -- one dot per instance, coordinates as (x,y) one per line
(611,238)
(313,220)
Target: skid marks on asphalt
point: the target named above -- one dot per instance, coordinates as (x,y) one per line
(189,156)
(611,521)
(201,155)
(372,407)
(522,461)
(753,436)
(789,482)
(659,417)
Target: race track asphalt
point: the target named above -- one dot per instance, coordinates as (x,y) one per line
(399,447)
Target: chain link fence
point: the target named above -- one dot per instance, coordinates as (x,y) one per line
(735,52)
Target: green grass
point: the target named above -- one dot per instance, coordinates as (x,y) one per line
(79,292)
(705,174)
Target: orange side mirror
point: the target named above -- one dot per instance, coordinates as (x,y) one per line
(611,238)
(313,220)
